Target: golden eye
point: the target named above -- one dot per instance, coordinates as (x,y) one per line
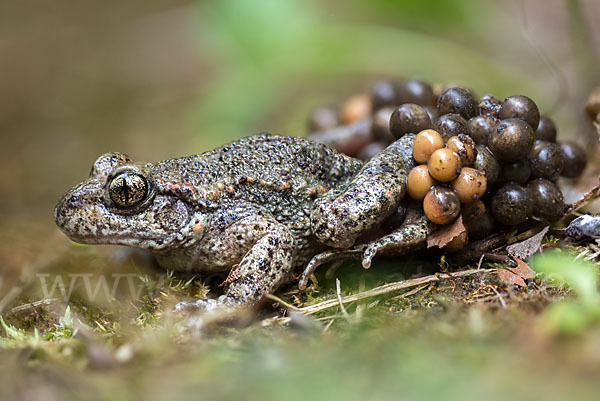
(128,189)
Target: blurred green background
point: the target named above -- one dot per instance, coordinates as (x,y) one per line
(164,78)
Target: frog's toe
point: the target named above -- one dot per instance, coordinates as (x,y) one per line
(370,253)
(328,256)
(410,236)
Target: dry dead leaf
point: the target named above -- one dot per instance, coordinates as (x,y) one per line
(522,270)
(516,275)
(509,277)
(528,247)
(443,235)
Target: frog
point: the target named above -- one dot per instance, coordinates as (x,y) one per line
(262,210)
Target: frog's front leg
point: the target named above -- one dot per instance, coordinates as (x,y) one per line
(343,214)
(262,269)
(266,265)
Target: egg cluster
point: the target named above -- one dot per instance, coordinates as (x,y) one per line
(494,161)
(446,178)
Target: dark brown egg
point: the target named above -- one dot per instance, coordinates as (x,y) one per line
(512,204)
(409,118)
(548,201)
(486,162)
(518,172)
(481,127)
(380,126)
(383,93)
(417,92)
(520,107)
(433,112)
(449,125)
(546,160)
(457,100)
(574,159)
(546,130)
(477,219)
(512,140)
(490,106)
(482,227)
(472,211)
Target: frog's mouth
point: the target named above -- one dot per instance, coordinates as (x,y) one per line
(83,215)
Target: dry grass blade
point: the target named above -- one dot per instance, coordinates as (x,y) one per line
(386,289)
(338,293)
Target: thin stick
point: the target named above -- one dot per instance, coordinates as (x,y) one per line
(499,258)
(502,302)
(480,261)
(32,305)
(338,292)
(385,289)
(281,301)
(409,293)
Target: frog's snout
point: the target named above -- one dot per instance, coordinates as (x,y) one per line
(64,207)
(75,211)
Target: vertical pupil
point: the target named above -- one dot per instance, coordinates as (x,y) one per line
(125,188)
(128,189)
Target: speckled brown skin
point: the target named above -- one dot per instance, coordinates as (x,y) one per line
(343,214)
(257,208)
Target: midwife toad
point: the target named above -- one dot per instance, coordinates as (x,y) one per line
(258,208)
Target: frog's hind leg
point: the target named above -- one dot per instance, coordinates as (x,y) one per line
(411,235)
(343,214)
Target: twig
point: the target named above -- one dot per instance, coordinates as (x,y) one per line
(409,293)
(500,258)
(525,235)
(32,305)
(281,301)
(502,301)
(328,325)
(386,289)
(493,288)
(480,261)
(474,250)
(360,308)
(589,196)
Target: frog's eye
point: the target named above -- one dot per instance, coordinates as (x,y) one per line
(128,189)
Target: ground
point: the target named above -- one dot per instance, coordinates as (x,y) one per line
(435,330)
